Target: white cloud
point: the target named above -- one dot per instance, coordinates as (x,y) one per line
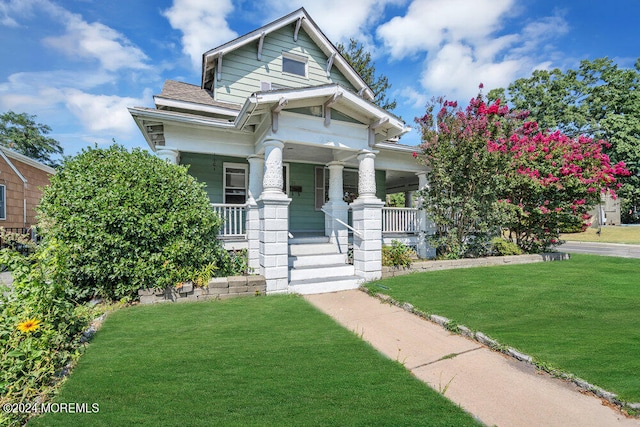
(95,41)
(340,20)
(462,43)
(430,23)
(104,113)
(12,8)
(203,25)
(414,98)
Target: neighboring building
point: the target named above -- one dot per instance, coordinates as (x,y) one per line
(607,212)
(21,181)
(295,155)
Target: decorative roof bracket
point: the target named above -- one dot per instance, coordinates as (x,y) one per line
(298,25)
(372,129)
(330,63)
(219,67)
(275,113)
(327,107)
(260,43)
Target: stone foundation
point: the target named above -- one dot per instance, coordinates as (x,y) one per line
(218,288)
(422,266)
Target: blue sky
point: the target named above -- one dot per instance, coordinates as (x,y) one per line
(77,64)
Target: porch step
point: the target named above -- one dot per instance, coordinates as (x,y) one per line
(321,272)
(298,249)
(319,267)
(327,284)
(299,261)
(299,239)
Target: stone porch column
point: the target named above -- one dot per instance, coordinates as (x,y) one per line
(171,155)
(367,220)
(256,171)
(273,207)
(425,226)
(338,208)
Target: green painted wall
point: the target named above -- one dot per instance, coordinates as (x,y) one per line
(242,72)
(302,213)
(202,167)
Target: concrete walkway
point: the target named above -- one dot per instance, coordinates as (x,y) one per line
(495,388)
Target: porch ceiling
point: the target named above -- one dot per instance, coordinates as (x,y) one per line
(399,181)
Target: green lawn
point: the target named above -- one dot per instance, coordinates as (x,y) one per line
(581,316)
(251,361)
(613,234)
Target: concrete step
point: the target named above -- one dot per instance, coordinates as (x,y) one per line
(327,284)
(312,249)
(321,272)
(317,260)
(301,239)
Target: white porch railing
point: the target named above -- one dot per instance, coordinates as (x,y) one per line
(234,217)
(400,220)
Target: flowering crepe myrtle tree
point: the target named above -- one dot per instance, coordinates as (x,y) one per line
(490,168)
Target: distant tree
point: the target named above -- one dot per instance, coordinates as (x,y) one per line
(599,99)
(361,61)
(21,133)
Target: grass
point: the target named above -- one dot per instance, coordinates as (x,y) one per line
(617,234)
(251,361)
(581,316)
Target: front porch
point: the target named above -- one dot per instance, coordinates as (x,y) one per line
(323,261)
(402,224)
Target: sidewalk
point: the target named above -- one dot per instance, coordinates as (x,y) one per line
(495,388)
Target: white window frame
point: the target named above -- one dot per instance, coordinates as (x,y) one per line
(3,202)
(297,58)
(224,179)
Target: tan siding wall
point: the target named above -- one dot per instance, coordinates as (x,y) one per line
(16,191)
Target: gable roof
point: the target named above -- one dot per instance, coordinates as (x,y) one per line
(301,19)
(6,154)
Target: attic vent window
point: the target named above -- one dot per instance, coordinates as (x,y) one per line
(295,65)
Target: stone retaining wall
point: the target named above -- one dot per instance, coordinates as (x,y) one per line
(422,266)
(218,288)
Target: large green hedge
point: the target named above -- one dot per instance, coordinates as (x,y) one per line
(122,221)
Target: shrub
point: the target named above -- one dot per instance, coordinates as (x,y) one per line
(127,221)
(505,247)
(397,255)
(40,331)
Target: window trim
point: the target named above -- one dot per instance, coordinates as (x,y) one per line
(297,58)
(243,166)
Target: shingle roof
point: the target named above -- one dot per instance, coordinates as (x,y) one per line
(191,93)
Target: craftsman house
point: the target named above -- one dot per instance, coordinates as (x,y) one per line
(21,180)
(295,155)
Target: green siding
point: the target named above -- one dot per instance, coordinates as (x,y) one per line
(242,72)
(302,213)
(201,166)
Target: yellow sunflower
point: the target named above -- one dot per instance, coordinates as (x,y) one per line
(29,325)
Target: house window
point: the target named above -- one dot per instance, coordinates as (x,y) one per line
(321,187)
(235,183)
(293,64)
(3,204)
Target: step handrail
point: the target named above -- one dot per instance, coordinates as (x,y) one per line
(339,221)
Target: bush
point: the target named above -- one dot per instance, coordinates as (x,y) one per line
(40,332)
(505,247)
(127,221)
(397,255)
